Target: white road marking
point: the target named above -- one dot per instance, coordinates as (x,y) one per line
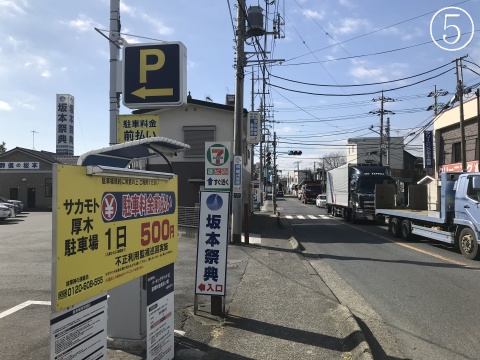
(289,217)
(312,217)
(21,306)
(300,216)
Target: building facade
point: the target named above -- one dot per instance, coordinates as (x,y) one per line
(26,175)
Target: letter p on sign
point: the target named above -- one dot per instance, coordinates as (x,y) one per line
(144,66)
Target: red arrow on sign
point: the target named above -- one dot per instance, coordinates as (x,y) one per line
(201,287)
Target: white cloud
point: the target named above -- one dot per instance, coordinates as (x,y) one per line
(314,14)
(366,72)
(346,3)
(39,63)
(153,21)
(416,32)
(12,7)
(83,23)
(5,106)
(350,26)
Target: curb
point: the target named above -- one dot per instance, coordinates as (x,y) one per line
(355,341)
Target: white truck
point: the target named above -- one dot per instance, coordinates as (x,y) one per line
(446,210)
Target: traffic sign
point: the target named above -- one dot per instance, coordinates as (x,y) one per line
(154,75)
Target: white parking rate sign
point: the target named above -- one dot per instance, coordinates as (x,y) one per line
(213,227)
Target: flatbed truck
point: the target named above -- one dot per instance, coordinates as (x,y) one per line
(446,210)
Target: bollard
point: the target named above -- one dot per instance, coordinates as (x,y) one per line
(246,223)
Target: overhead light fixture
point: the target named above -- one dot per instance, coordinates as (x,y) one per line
(101,170)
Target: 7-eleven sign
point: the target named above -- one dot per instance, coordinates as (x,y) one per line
(217,165)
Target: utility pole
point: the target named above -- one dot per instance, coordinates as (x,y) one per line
(381,112)
(387,137)
(238,115)
(114,36)
(33,133)
(459,73)
(435,94)
(274,190)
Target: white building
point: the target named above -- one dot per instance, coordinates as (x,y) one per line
(365,150)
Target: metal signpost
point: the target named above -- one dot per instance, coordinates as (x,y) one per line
(154,75)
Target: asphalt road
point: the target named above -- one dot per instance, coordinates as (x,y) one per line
(416,300)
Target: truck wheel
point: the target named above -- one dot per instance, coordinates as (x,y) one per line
(394,226)
(406,230)
(468,244)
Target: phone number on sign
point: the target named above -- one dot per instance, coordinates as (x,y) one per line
(76,289)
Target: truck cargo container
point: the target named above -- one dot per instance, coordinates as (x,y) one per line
(351,190)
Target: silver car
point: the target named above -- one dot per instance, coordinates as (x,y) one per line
(6,212)
(321,200)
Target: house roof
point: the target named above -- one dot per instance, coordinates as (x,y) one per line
(44,155)
(192,101)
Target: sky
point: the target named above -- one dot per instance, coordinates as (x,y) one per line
(332,58)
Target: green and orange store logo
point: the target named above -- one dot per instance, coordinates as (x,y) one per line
(217,155)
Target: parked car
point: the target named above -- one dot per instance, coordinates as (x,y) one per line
(7,210)
(280,193)
(299,194)
(17,203)
(321,200)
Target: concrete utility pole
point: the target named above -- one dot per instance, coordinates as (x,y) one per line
(381,112)
(238,115)
(459,73)
(114,36)
(275,182)
(387,137)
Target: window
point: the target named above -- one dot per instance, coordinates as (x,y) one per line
(456,153)
(196,136)
(48,187)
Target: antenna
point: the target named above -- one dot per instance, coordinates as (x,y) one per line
(33,133)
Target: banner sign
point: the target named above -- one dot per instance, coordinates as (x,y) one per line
(428,149)
(254,128)
(108,230)
(65,124)
(20,165)
(211,274)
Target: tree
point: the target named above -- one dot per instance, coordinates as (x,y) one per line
(3,148)
(333,160)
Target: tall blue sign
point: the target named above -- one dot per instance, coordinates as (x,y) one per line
(428,149)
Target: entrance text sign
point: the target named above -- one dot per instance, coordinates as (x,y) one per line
(212,243)
(108,230)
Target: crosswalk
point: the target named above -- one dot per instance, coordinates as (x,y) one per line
(312,217)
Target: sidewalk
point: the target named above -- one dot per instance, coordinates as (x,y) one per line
(277,306)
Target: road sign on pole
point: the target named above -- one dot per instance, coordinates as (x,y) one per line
(154,75)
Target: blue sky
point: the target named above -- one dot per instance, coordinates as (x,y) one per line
(50,46)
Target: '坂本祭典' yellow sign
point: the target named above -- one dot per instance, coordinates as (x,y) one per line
(109,230)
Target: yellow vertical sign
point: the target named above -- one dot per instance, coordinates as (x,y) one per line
(137,127)
(109,230)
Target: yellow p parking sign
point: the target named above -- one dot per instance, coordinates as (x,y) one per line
(154,75)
